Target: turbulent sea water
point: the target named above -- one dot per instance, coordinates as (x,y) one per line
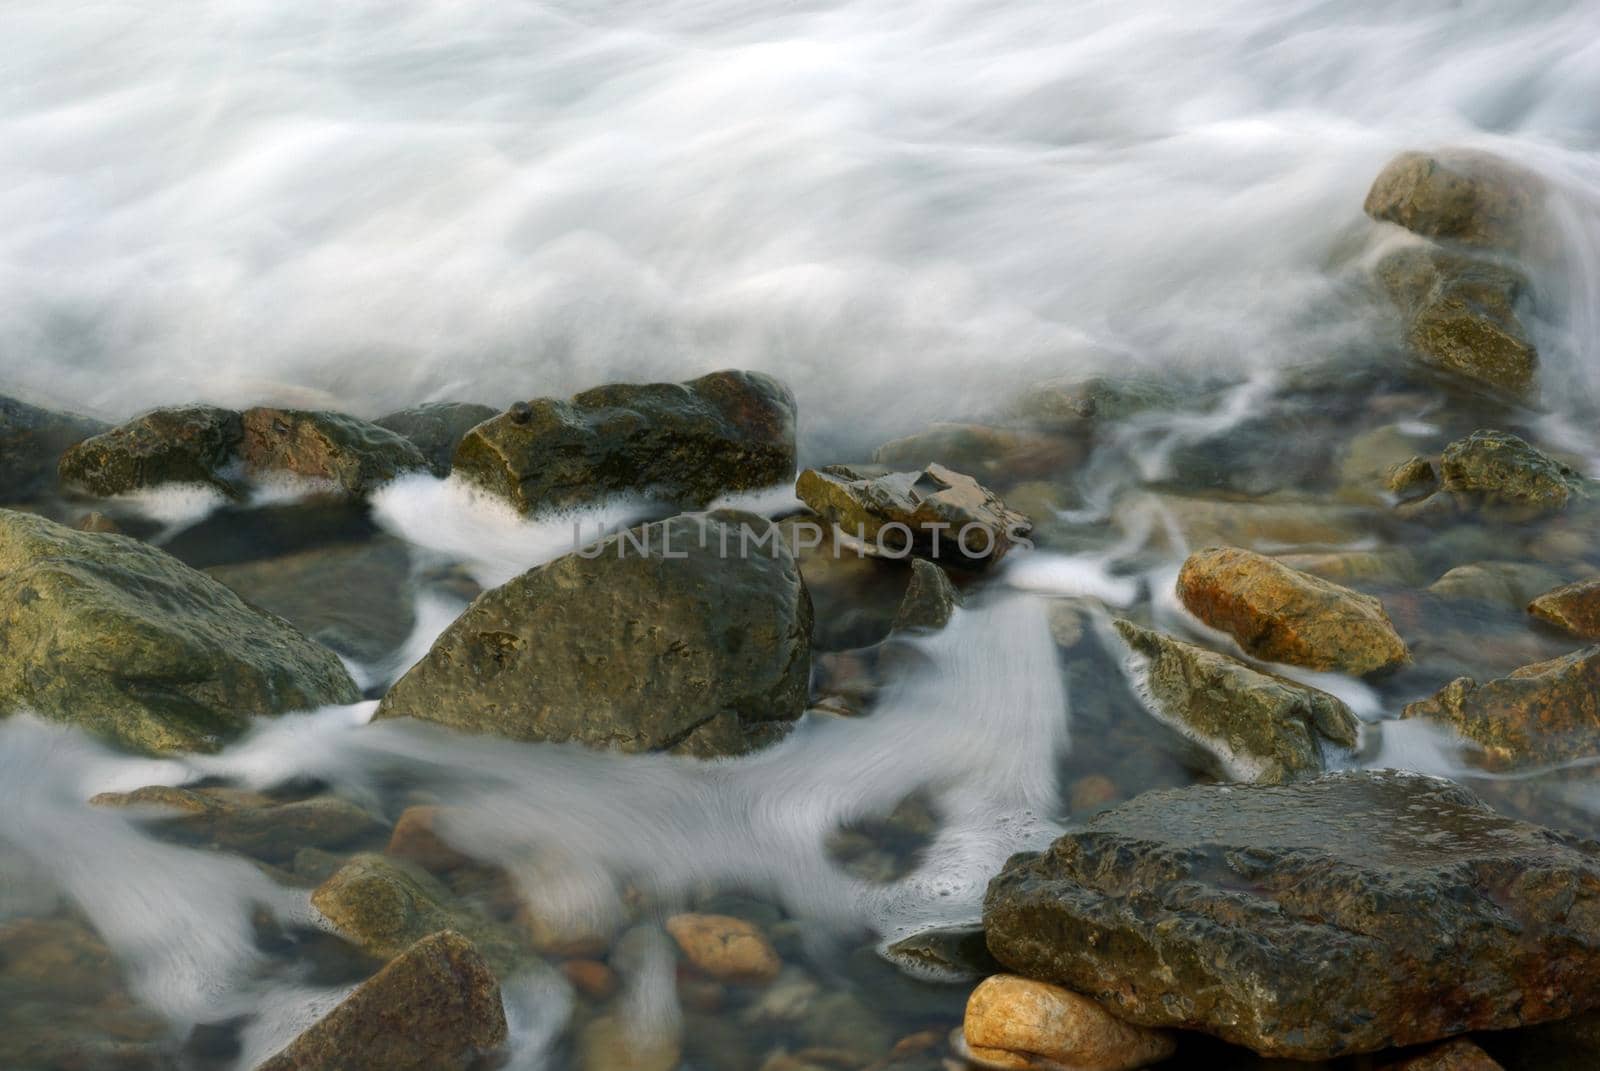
(907,210)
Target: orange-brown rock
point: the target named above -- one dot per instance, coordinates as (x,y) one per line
(1575,608)
(416,838)
(1283,615)
(1014,1022)
(1461,195)
(726,948)
(1458,1054)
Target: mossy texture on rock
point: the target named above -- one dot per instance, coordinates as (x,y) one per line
(32,440)
(354,455)
(1459,195)
(1005,453)
(685,634)
(111,634)
(1253,726)
(1461,316)
(1342,915)
(180,444)
(1280,614)
(685,443)
(1499,469)
(1573,607)
(435,1008)
(1545,712)
(930,600)
(264,828)
(437,428)
(922,513)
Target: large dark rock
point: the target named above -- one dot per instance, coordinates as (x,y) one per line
(183,444)
(1501,471)
(1248,725)
(111,634)
(437,428)
(435,1008)
(685,443)
(1546,712)
(31,442)
(1461,315)
(1458,195)
(684,634)
(352,454)
(1342,915)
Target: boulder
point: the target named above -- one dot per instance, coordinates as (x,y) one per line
(1279,614)
(435,1007)
(936,513)
(181,444)
(691,634)
(1498,470)
(1249,725)
(1545,712)
(725,948)
(1572,607)
(1015,1022)
(1461,315)
(32,440)
(437,428)
(355,456)
(930,600)
(268,829)
(1342,915)
(1459,195)
(114,635)
(685,443)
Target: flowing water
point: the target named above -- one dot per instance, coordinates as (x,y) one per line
(906,210)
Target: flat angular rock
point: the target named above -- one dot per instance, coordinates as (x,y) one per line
(1459,195)
(1348,914)
(938,514)
(685,443)
(1498,469)
(179,444)
(116,636)
(1018,1023)
(1252,726)
(31,442)
(1545,712)
(1573,607)
(354,455)
(1282,615)
(692,633)
(434,1008)
(437,428)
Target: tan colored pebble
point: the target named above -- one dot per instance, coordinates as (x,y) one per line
(726,948)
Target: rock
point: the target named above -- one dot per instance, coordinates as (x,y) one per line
(1573,607)
(1460,195)
(1411,479)
(930,600)
(608,1044)
(1281,615)
(1007,454)
(1509,584)
(354,597)
(591,978)
(1342,915)
(31,442)
(1251,726)
(1391,565)
(943,954)
(1545,712)
(436,1006)
(1461,315)
(182,444)
(679,648)
(685,443)
(1072,403)
(384,906)
(355,456)
(726,948)
(437,428)
(416,839)
(1500,470)
(1013,1022)
(936,513)
(855,598)
(267,829)
(111,634)
(1275,523)
(95,521)
(1368,459)
(1092,792)
(1459,1054)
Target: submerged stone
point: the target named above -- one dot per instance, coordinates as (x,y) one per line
(1017,1023)
(436,1007)
(1348,914)
(1573,607)
(692,634)
(1251,726)
(32,440)
(437,428)
(1009,454)
(179,444)
(1072,403)
(685,443)
(1545,712)
(1282,615)
(930,600)
(1500,470)
(111,634)
(938,514)
(725,948)
(1459,195)
(273,830)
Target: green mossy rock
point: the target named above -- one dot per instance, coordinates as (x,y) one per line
(181,444)
(436,1007)
(684,443)
(32,440)
(354,455)
(1343,915)
(1501,471)
(1251,726)
(1458,195)
(437,428)
(111,634)
(650,639)
(930,600)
